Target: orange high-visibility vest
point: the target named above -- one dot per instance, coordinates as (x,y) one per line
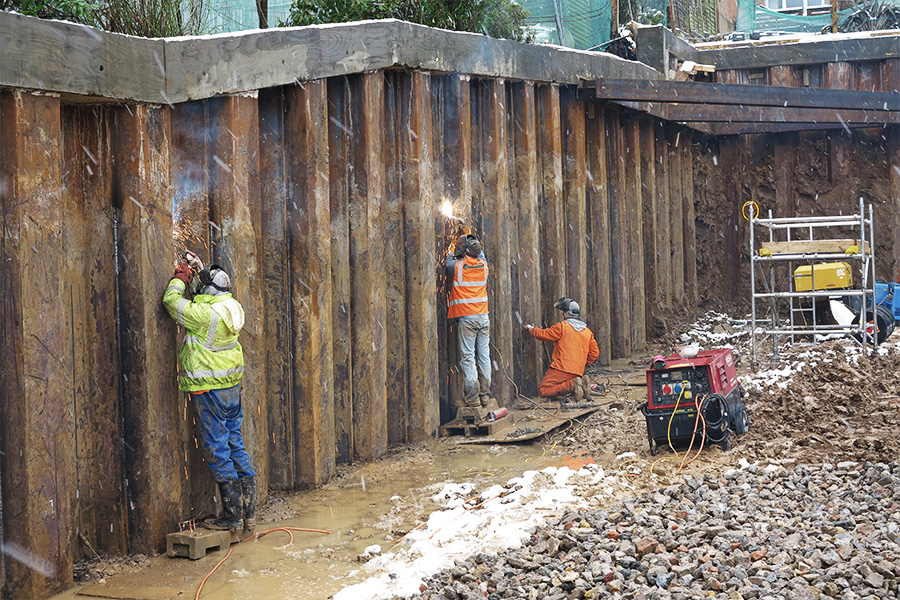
(468,295)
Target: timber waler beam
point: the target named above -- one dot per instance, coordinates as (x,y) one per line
(731,108)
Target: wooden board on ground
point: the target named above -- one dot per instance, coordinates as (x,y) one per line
(523,424)
(195,544)
(119,592)
(811,246)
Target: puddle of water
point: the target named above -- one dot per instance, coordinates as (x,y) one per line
(374,504)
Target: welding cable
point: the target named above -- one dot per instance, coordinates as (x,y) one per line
(672,418)
(288,530)
(685,461)
(693,433)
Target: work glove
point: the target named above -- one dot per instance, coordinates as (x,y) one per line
(183,272)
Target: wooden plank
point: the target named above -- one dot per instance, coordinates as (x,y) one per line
(635,244)
(553,232)
(279,440)
(574,194)
(648,215)
(39,483)
(236,208)
(837,76)
(676,214)
(338,179)
(811,246)
(309,219)
(193,165)
(692,290)
(599,310)
(368,301)
(497,227)
(154,417)
(523,143)
(394,268)
(90,299)
(419,235)
(783,92)
(620,237)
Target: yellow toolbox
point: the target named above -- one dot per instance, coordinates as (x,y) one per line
(826,276)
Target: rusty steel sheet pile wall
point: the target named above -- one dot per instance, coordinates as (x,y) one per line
(323,198)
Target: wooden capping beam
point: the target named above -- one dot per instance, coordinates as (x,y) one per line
(495,210)
(598,306)
(37,433)
(419,236)
(368,300)
(620,237)
(574,194)
(635,243)
(394,268)
(276,250)
(235,208)
(309,219)
(734,94)
(523,146)
(338,163)
(153,408)
(553,233)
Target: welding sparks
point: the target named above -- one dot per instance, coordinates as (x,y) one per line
(447,210)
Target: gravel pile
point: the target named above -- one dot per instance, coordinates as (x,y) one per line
(830,531)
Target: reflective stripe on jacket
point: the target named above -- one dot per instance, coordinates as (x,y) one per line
(468,293)
(574,349)
(211,357)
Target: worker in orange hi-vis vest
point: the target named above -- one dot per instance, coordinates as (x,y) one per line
(468,274)
(575,348)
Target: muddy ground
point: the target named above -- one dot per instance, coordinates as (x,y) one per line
(834,405)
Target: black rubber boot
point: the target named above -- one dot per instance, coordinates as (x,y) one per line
(231,508)
(248,496)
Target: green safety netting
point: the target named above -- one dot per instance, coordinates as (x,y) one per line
(752,18)
(585,23)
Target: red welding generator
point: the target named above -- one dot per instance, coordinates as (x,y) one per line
(678,388)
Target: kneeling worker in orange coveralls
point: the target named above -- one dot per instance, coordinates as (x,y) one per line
(575,348)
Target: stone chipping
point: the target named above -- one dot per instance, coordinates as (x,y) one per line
(806,533)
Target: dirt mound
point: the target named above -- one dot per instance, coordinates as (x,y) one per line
(841,406)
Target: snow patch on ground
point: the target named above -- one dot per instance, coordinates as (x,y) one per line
(500,517)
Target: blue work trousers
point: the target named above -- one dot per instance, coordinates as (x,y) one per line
(475,356)
(219,418)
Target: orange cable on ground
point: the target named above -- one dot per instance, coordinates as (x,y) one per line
(288,530)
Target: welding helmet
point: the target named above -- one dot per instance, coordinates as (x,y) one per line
(212,280)
(567,305)
(473,246)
